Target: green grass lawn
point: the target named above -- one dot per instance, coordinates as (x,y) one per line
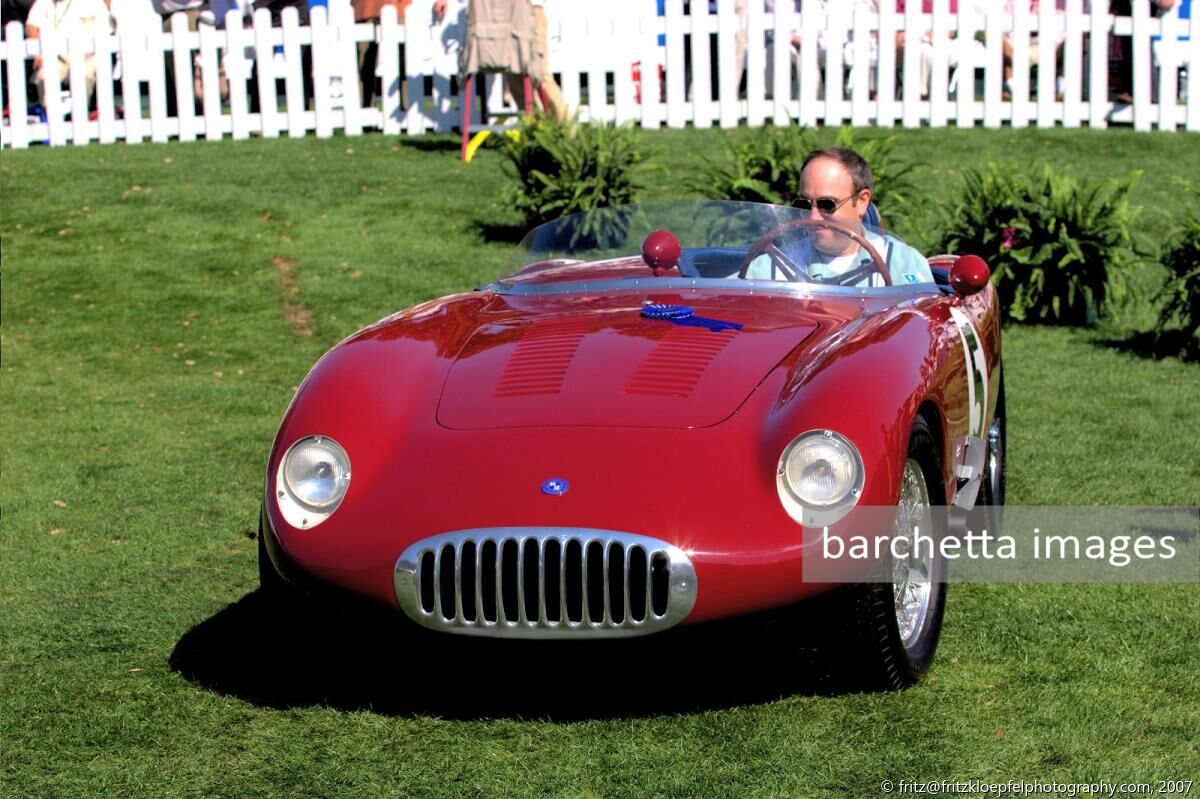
(161,303)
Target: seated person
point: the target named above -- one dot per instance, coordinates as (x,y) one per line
(64,18)
(836,185)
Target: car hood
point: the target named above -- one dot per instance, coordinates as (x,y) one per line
(606,364)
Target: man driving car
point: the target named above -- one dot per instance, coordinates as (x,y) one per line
(836,186)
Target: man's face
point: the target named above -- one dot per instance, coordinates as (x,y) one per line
(825,177)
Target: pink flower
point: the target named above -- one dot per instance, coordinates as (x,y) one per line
(1010,238)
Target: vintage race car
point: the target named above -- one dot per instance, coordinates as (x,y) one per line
(663,416)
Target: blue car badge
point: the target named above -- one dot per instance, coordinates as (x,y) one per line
(555,486)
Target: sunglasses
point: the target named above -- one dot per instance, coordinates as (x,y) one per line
(826,205)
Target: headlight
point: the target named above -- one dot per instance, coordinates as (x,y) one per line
(820,477)
(312,479)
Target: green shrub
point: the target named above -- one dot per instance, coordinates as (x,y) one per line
(759,165)
(561,168)
(892,173)
(763,165)
(1058,248)
(1181,294)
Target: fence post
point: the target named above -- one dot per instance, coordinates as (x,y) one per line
(238,70)
(1072,102)
(837,33)
(650,58)
(298,123)
(50,47)
(106,124)
(911,89)
(1018,85)
(756,66)
(889,25)
(388,66)
(676,85)
(702,113)
(939,66)
(860,72)
(210,77)
(79,44)
(159,42)
(1141,67)
(185,99)
(967,67)
(18,99)
(730,26)
(1192,55)
(265,68)
(1098,105)
(1047,83)
(804,107)
(993,71)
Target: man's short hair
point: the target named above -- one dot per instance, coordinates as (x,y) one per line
(860,173)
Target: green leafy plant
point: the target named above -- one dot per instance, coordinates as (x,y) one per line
(1181,293)
(763,165)
(760,165)
(561,168)
(892,172)
(1059,248)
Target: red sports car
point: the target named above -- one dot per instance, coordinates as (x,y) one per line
(663,416)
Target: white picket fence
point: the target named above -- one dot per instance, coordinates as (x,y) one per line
(598,51)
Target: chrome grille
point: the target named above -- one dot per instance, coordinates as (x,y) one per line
(545,583)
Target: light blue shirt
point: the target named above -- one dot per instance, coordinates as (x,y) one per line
(905,265)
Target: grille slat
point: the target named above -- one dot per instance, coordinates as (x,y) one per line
(458,594)
(479,615)
(587,616)
(437,583)
(625,584)
(608,619)
(541,550)
(500,617)
(528,583)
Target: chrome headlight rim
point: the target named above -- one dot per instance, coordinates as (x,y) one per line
(302,512)
(807,511)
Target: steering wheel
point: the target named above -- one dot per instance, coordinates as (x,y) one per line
(766,244)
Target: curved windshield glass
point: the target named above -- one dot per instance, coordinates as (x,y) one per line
(734,241)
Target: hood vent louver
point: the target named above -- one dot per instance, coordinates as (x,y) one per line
(541,359)
(676,363)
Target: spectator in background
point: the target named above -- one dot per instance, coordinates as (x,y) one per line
(544,86)
(368,52)
(167,9)
(14,11)
(540,76)
(925,44)
(64,18)
(276,8)
(1120,50)
(1059,35)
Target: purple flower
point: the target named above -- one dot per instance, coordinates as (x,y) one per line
(1010,238)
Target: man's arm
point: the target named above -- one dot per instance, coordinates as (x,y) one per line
(34,24)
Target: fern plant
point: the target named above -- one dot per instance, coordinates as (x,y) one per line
(1059,248)
(560,168)
(1181,293)
(763,165)
(759,165)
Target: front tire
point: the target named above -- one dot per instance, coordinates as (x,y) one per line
(896,622)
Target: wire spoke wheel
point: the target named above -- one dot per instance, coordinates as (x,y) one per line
(912,575)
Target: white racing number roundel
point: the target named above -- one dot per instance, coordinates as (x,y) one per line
(977,377)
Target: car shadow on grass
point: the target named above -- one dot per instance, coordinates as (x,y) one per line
(383,663)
